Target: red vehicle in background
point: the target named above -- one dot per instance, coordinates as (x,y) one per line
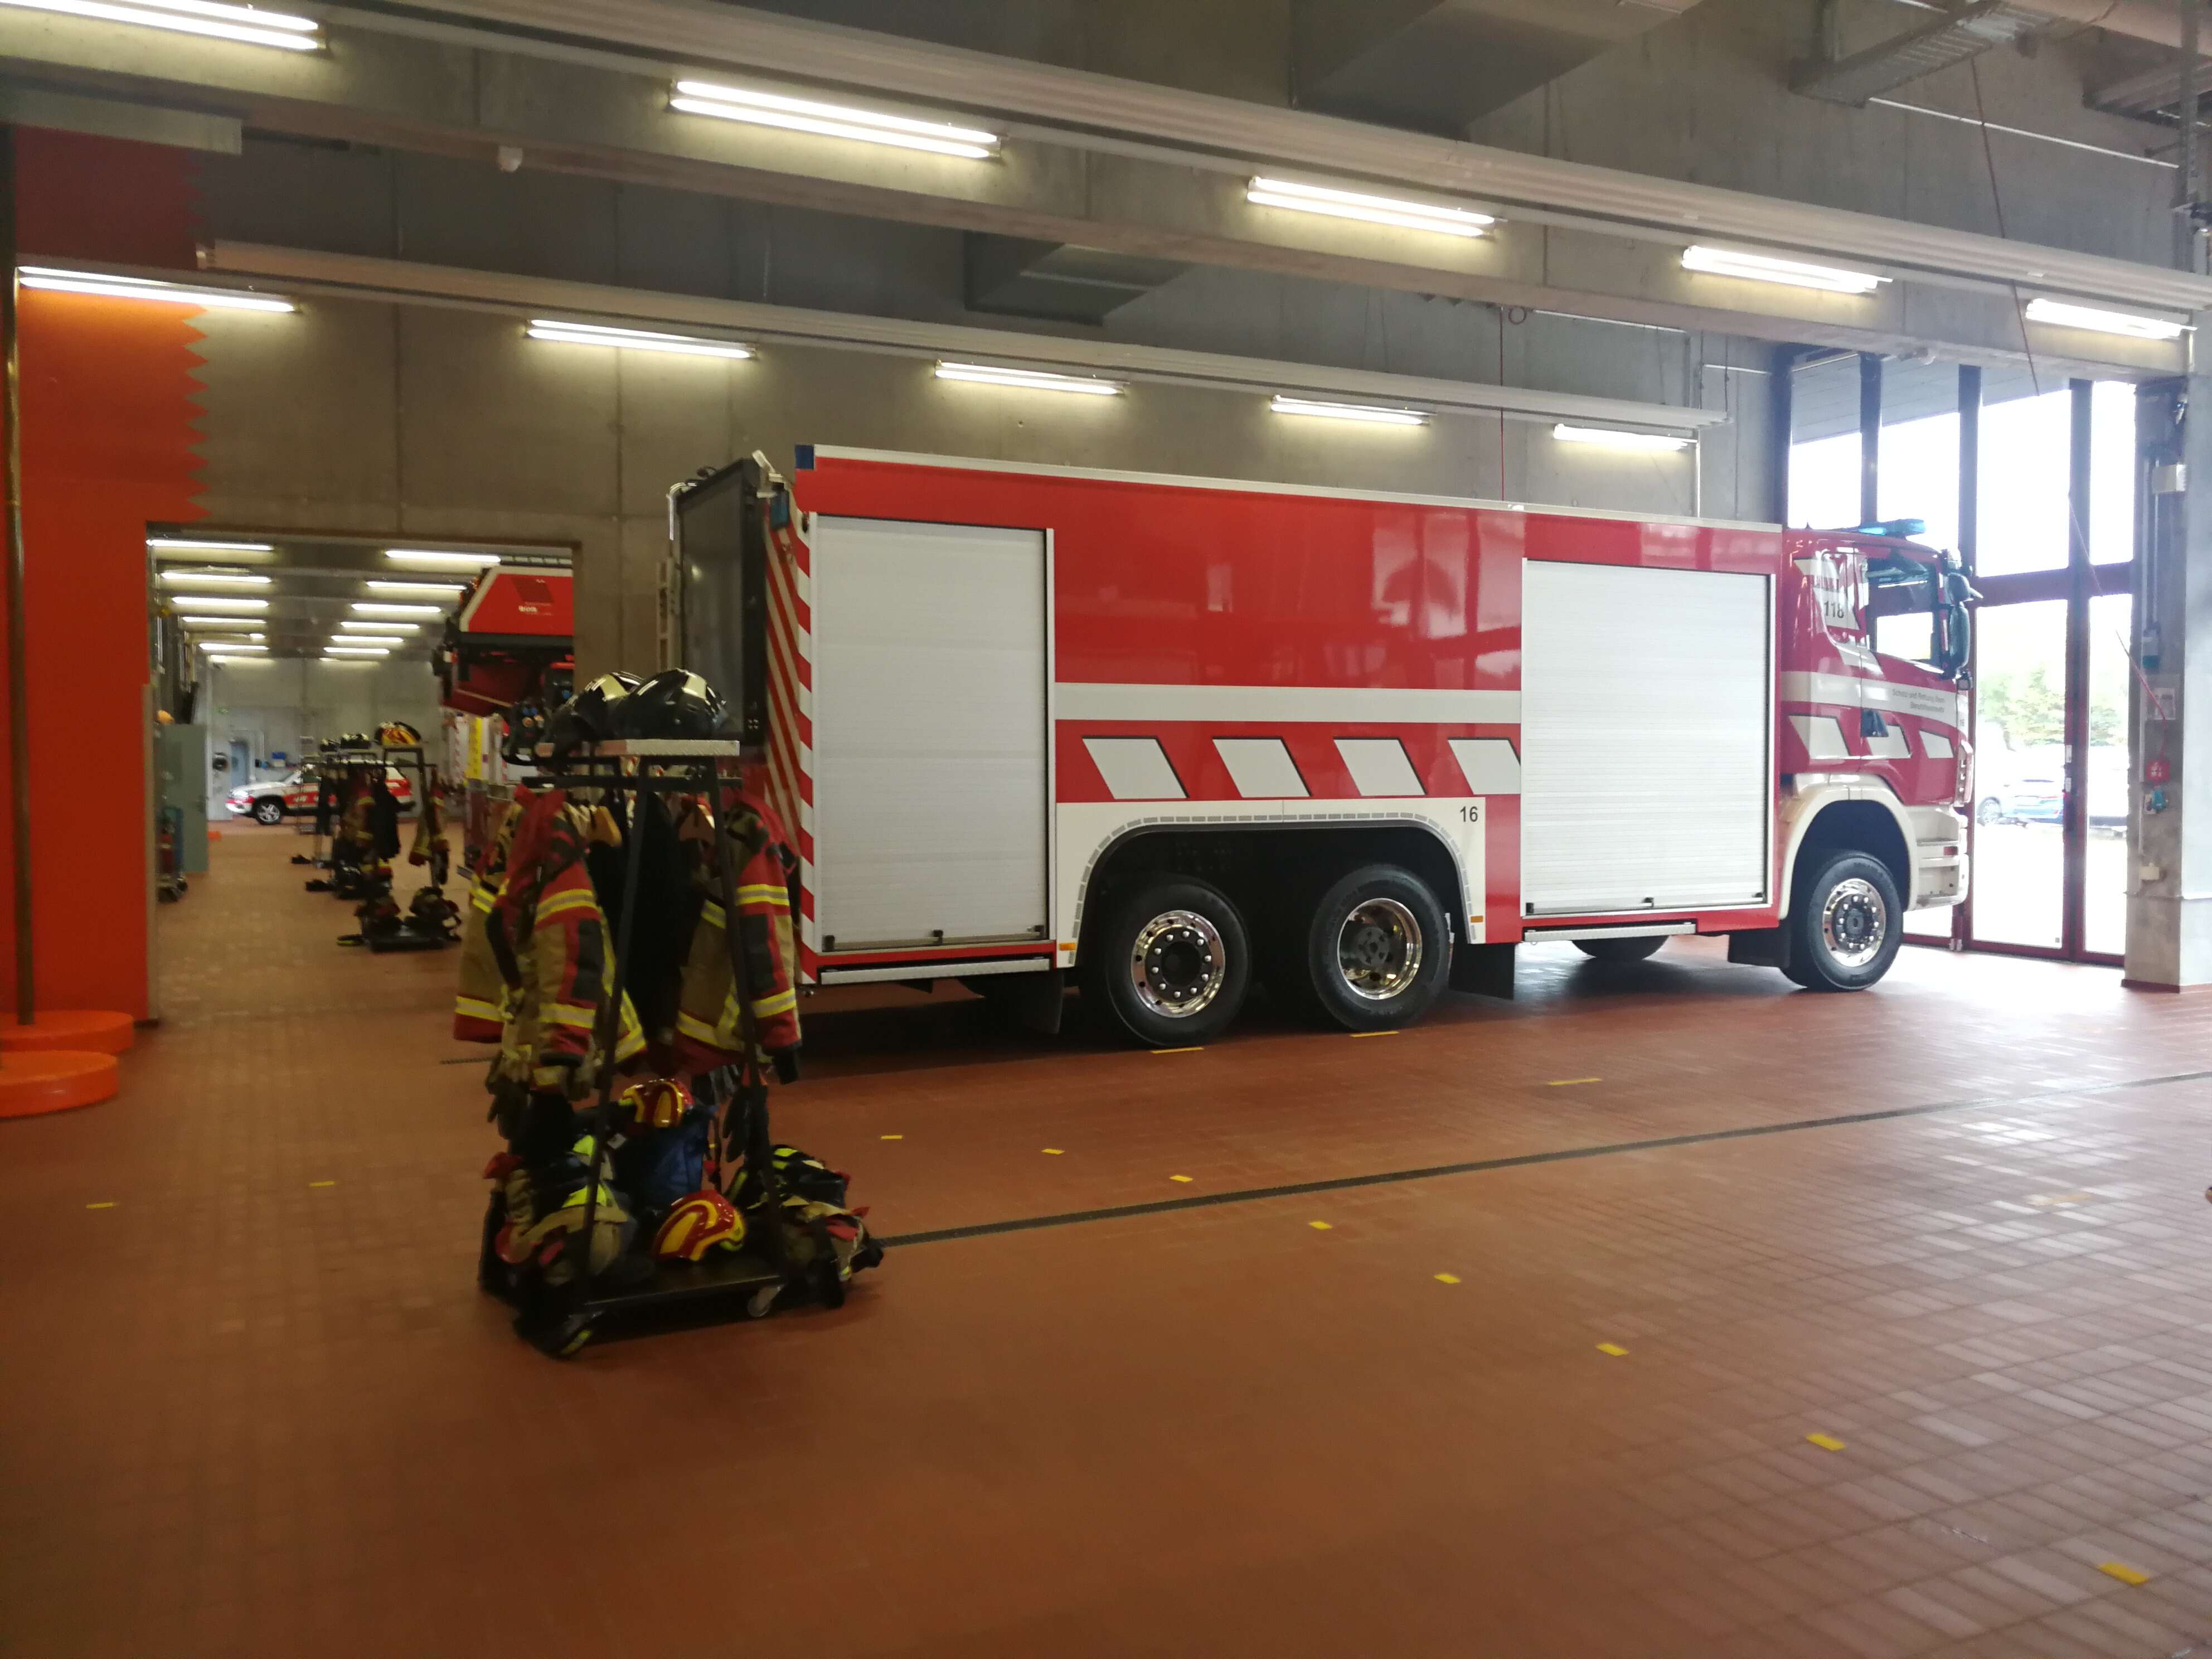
(1177,735)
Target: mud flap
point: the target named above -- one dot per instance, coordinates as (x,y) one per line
(1037,1002)
(1486,970)
(1763,947)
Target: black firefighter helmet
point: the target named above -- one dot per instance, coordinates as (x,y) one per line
(674,703)
(589,716)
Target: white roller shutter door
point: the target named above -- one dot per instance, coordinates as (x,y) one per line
(1647,700)
(929,762)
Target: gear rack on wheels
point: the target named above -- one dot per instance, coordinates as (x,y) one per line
(760,1275)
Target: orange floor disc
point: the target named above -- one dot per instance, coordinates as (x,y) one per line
(96,1031)
(55,1080)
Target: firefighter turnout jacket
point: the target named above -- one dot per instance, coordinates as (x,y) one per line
(740,1000)
(480,1009)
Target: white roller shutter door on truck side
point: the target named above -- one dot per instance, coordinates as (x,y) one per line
(930,761)
(1647,700)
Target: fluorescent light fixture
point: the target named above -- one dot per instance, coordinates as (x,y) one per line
(214,579)
(183,545)
(1372,210)
(1790,273)
(212,604)
(426,559)
(353,627)
(240,662)
(1609,438)
(1374,415)
(356,651)
(363,608)
(770,109)
(2066,314)
(1035,379)
(143,288)
(229,645)
(248,25)
(366,639)
(632,339)
(375,587)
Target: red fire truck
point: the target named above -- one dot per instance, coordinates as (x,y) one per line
(1176,735)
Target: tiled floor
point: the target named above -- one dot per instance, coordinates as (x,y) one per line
(252,1405)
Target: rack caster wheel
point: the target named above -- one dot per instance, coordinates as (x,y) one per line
(562,1339)
(828,1288)
(762,1302)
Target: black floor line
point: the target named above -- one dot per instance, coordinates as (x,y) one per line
(1477,1166)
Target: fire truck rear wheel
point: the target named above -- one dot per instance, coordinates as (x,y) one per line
(1171,963)
(1377,949)
(1846,925)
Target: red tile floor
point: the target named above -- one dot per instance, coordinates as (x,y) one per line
(1558,1402)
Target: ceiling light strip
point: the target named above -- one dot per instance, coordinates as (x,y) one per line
(633,339)
(2065,313)
(1373,209)
(1611,438)
(56,280)
(1033,379)
(1748,266)
(247,25)
(773,109)
(423,558)
(1373,415)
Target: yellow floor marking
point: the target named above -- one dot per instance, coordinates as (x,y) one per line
(1446,1279)
(2123,1572)
(1178,1177)
(1613,1348)
(894,1137)
(1053,1152)
(1357,1034)
(1826,1442)
(1568,1082)
(104,1204)
(322,1183)
(1197,1049)
(1320,1226)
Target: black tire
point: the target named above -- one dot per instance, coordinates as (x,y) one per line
(1846,924)
(1378,949)
(1189,945)
(1990,810)
(269,808)
(1618,952)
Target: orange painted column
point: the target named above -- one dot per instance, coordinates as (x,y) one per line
(107,439)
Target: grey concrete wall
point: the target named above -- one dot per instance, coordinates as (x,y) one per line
(434,423)
(1706,97)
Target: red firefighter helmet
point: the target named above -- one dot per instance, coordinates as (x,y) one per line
(703,1222)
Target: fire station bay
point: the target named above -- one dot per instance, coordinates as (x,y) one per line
(1096,828)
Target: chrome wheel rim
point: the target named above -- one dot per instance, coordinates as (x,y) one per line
(1177,964)
(1379,949)
(1854,922)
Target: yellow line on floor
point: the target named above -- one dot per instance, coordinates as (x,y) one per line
(1198,1049)
(1569,1082)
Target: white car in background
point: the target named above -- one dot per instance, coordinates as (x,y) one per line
(294,796)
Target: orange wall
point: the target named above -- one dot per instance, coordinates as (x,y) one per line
(108,446)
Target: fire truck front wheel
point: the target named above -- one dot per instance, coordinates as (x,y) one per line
(1171,963)
(1378,950)
(1846,925)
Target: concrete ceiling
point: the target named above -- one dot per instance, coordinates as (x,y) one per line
(1436,66)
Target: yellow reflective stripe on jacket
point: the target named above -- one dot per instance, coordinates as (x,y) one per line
(477,1009)
(781,1003)
(581,898)
(484,896)
(712,915)
(764,893)
(691,1026)
(568,1013)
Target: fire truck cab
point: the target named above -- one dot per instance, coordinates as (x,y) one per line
(1175,738)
